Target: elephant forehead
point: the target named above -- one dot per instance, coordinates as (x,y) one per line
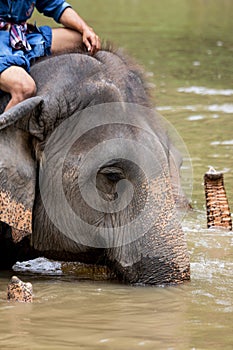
(83,142)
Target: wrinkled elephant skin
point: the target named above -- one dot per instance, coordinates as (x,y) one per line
(92,111)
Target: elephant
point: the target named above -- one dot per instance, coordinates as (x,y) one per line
(117,215)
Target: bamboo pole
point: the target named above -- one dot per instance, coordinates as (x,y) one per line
(217,207)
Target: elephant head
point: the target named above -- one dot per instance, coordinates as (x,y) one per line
(86,170)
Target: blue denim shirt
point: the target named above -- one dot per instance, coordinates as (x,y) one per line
(18,11)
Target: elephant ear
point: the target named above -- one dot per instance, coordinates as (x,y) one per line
(17,169)
(19,111)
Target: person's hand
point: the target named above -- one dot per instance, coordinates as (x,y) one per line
(71,19)
(91,40)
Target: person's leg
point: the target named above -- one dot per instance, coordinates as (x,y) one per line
(17,82)
(64,39)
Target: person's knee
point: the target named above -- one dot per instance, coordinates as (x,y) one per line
(28,88)
(23,89)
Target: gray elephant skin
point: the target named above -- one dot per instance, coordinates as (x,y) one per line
(67,86)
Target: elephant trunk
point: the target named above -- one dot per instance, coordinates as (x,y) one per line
(160,255)
(149,263)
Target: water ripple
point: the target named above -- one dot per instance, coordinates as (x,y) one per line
(201,90)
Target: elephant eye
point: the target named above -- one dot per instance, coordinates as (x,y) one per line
(114,177)
(113,174)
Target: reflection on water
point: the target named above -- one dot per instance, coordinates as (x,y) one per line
(186,47)
(201,90)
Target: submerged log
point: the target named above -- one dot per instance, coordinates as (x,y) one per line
(85,271)
(217,207)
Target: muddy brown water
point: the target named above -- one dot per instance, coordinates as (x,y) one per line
(186,48)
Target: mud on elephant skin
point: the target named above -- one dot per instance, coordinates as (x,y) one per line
(128,219)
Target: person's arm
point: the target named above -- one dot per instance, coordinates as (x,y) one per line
(70,19)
